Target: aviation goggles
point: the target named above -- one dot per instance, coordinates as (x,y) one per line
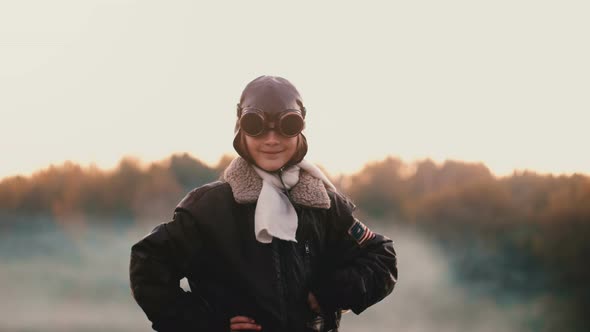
(255,122)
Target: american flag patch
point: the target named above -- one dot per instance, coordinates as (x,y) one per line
(360,232)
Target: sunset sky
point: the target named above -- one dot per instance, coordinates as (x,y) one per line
(506,83)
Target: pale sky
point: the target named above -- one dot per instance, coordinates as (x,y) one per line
(502,82)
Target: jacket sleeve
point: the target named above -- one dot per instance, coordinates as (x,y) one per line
(158,262)
(359,267)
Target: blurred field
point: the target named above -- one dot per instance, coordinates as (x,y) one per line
(53,280)
(77,280)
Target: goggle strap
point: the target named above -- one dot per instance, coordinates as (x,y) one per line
(239,111)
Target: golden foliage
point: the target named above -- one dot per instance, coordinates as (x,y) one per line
(129,191)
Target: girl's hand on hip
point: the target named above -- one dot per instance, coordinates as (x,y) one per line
(243,323)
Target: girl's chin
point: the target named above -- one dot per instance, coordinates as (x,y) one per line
(270,165)
(270,168)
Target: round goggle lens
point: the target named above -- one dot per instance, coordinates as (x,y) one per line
(252,124)
(291,124)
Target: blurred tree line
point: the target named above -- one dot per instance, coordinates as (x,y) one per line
(131,191)
(527,232)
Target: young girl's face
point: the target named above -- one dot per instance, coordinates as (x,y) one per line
(271,150)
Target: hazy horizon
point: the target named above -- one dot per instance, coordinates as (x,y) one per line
(146,163)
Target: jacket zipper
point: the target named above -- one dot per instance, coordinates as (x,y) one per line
(307,258)
(280,281)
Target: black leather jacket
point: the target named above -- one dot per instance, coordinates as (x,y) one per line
(211,242)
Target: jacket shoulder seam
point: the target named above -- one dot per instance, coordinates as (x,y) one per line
(189,201)
(334,196)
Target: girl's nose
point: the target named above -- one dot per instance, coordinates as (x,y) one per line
(271,137)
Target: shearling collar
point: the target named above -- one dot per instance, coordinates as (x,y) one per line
(246,186)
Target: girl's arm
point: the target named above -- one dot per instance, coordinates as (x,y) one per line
(158,262)
(359,267)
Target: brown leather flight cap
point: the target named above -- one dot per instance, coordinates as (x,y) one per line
(271,94)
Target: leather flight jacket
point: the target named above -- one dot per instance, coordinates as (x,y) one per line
(210,241)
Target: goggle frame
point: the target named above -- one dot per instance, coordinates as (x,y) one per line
(254,115)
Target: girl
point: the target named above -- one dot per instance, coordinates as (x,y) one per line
(272,246)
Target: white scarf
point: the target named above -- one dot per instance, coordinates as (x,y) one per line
(275,216)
